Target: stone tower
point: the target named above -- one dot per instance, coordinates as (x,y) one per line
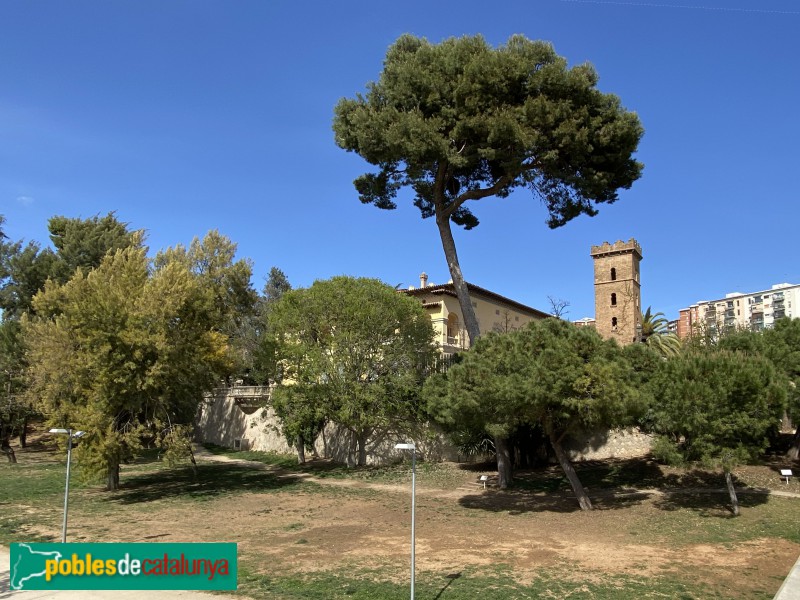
(617,290)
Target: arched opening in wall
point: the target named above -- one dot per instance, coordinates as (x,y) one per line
(452,328)
(614,323)
(613,299)
(613,274)
(247,405)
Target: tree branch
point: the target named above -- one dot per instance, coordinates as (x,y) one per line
(475,194)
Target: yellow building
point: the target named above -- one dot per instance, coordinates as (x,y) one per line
(493,311)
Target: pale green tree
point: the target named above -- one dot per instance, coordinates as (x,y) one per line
(122,350)
(357,350)
(80,244)
(226,283)
(460,121)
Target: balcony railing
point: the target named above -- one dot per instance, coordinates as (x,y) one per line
(455,339)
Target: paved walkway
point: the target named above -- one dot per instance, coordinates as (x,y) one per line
(790,590)
(5,576)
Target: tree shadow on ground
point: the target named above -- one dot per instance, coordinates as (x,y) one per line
(705,492)
(614,484)
(610,475)
(611,484)
(477,467)
(709,504)
(697,478)
(517,501)
(212,480)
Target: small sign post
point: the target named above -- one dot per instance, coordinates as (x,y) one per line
(786,473)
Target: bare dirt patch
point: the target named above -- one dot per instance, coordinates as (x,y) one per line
(318,525)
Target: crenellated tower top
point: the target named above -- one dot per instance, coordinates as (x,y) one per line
(618,247)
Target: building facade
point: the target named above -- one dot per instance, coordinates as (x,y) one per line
(493,311)
(755,311)
(617,290)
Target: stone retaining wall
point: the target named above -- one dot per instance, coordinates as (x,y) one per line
(223,422)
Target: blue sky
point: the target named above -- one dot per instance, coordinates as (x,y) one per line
(183,116)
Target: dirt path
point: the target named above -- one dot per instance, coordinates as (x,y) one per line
(467,488)
(348,525)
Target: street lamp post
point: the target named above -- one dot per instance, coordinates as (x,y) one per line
(70,434)
(413,449)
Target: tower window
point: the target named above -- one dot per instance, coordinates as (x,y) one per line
(614,323)
(613,274)
(613,299)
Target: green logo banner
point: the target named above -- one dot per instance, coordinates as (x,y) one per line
(123,566)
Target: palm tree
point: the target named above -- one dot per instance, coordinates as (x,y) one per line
(655,332)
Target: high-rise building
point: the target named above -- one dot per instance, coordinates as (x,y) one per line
(754,311)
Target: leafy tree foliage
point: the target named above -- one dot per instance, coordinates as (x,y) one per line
(259,362)
(716,408)
(460,121)
(120,351)
(14,409)
(782,347)
(225,279)
(79,244)
(226,284)
(779,344)
(551,374)
(353,352)
(25,270)
(83,243)
(276,286)
(302,410)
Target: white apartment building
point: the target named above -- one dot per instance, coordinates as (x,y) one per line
(755,311)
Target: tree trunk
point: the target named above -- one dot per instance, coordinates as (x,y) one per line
(450,254)
(569,471)
(300,446)
(194,463)
(732,492)
(23,434)
(5,448)
(794,451)
(362,449)
(504,473)
(351,451)
(112,477)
